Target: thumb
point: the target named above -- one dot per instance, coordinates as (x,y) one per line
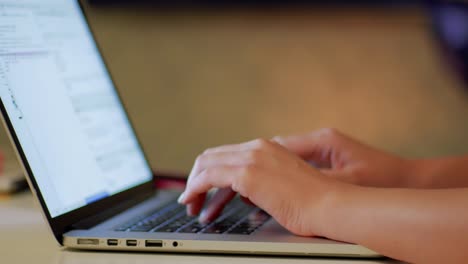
(317,147)
(298,144)
(325,139)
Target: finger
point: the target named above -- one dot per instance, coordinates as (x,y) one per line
(225,148)
(208,160)
(235,147)
(216,204)
(200,164)
(303,145)
(195,207)
(217,177)
(317,146)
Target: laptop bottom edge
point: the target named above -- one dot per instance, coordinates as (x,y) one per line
(220,247)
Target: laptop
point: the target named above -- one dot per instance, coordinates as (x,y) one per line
(84,162)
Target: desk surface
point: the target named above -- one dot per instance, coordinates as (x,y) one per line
(25,238)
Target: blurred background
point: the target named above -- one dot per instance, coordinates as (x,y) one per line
(196,75)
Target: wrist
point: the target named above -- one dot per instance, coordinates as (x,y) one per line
(420,173)
(324,216)
(439,173)
(407,171)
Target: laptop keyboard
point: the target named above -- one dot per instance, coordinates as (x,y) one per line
(237,218)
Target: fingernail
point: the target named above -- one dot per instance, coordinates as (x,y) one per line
(181,198)
(203,218)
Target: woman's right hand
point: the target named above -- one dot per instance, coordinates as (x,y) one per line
(266,174)
(346,159)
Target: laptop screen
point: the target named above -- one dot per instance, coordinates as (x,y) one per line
(63,106)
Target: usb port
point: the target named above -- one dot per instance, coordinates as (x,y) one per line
(131,243)
(153,243)
(112,242)
(88,241)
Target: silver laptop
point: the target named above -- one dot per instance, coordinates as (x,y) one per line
(84,162)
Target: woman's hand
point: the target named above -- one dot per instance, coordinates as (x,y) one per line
(265,173)
(417,226)
(348,160)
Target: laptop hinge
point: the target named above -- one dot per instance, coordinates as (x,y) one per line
(110,212)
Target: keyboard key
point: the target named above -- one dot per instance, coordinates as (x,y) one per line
(155,217)
(239,231)
(166,230)
(237,218)
(193,227)
(140,229)
(216,229)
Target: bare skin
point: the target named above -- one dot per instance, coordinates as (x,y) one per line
(411,210)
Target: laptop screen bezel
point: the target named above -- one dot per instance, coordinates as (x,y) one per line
(63,223)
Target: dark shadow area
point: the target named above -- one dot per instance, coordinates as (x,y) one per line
(450,25)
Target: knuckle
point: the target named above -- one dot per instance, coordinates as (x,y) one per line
(255,155)
(207,174)
(328,131)
(207,151)
(262,143)
(212,150)
(199,158)
(331,133)
(203,178)
(277,138)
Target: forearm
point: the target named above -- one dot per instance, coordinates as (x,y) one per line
(438,173)
(418,226)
